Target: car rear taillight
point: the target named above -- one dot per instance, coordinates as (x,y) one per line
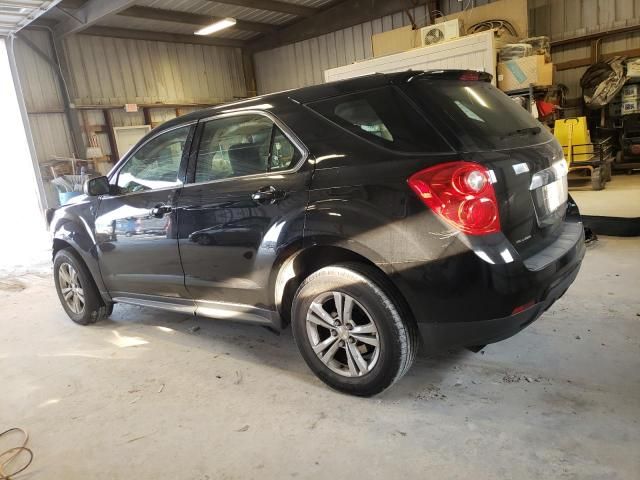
(460,193)
(470,75)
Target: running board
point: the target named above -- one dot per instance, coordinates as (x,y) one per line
(215,310)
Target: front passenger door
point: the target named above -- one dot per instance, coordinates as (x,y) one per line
(136,224)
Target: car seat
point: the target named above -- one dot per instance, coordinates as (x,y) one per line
(245,159)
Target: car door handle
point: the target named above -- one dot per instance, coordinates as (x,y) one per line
(160,210)
(267,195)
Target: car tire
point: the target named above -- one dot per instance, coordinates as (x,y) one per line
(375,340)
(76,289)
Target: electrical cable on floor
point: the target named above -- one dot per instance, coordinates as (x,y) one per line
(9,456)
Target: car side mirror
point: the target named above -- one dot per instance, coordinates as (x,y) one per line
(97,186)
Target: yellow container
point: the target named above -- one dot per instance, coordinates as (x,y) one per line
(571,132)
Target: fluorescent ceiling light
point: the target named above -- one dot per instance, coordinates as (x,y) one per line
(217,26)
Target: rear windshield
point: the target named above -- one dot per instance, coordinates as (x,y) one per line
(478,115)
(385,117)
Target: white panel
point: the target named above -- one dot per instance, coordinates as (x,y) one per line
(473,52)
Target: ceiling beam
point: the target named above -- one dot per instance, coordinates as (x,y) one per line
(343,15)
(187,18)
(92,12)
(161,37)
(272,6)
(72,3)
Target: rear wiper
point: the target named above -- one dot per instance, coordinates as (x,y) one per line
(522,131)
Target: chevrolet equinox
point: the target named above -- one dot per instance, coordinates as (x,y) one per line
(372,215)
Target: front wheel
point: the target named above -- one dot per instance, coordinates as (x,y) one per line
(351,330)
(76,290)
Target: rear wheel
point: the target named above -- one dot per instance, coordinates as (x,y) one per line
(76,290)
(351,330)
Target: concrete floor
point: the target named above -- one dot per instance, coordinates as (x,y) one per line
(143,396)
(620,198)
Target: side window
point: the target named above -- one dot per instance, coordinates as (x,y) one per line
(243,145)
(233,147)
(385,117)
(284,154)
(156,164)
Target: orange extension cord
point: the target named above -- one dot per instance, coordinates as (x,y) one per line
(12,454)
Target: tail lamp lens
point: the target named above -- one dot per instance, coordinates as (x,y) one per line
(470,75)
(461,193)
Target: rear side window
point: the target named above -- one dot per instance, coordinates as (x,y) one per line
(479,115)
(383,116)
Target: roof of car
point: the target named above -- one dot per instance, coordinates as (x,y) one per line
(299,95)
(318,92)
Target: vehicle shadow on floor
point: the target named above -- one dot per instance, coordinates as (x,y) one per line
(261,346)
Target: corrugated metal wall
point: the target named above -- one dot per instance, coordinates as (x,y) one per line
(42,97)
(113,71)
(560,19)
(453,6)
(303,63)
(563,19)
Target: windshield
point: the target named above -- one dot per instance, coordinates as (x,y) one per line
(478,115)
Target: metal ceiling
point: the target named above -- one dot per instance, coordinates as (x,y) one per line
(16,14)
(203,8)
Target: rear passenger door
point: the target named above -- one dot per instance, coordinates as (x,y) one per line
(244,204)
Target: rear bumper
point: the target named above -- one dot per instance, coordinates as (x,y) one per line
(469,298)
(442,335)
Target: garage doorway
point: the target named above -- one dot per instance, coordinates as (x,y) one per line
(24,238)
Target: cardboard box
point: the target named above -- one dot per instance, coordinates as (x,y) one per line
(630,106)
(520,73)
(633,68)
(395,41)
(630,92)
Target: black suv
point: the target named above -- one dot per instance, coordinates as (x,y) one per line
(372,215)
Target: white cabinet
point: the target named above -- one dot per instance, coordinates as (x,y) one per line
(472,52)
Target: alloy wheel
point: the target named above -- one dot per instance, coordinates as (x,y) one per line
(342,334)
(71,288)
